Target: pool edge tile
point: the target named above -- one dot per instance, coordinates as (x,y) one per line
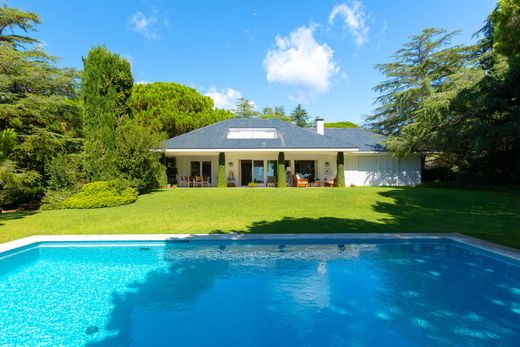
(456,237)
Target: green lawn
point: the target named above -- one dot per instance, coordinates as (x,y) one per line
(491,216)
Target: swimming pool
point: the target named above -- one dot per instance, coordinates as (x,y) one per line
(317,292)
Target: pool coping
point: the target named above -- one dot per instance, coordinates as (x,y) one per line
(467,240)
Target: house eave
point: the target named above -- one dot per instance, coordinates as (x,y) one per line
(218,150)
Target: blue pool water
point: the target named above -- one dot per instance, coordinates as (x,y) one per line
(368,293)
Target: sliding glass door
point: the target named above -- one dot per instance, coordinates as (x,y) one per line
(200,168)
(258,171)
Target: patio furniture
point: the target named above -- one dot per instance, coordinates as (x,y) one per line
(317,184)
(331,182)
(198,181)
(300,182)
(271,180)
(205,181)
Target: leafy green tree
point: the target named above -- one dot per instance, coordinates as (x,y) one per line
(416,71)
(173,108)
(106,85)
(13,19)
(245,109)
(416,78)
(345,124)
(38,102)
(278,112)
(137,149)
(266,111)
(505,20)
(300,117)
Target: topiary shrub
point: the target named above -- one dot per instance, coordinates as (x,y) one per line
(102,194)
(222,179)
(280,182)
(340,178)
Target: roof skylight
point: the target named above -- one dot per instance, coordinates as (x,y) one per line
(252,133)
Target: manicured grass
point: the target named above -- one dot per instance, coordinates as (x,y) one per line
(491,216)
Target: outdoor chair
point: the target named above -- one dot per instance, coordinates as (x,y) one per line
(198,181)
(271,180)
(331,182)
(185,181)
(205,181)
(300,182)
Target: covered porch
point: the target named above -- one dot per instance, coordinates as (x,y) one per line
(201,168)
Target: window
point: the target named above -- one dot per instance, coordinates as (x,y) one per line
(206,169)
(195,168)
(252,133)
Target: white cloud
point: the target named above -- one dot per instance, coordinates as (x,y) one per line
(226,98)
(354,20)
(145,25)
(299,60)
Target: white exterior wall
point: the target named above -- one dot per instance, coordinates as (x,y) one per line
(183,166)
(360,169)
(382,170)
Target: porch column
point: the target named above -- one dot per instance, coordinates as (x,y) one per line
(340,175)
(222,179)
(280,180)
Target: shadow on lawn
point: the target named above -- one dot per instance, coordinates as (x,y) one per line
(418,210)
(8,216)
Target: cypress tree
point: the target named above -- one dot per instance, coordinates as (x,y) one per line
(106,85)
(340,177)
(222,180)
(280,182)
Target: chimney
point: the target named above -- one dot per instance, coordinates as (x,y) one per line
(320,126)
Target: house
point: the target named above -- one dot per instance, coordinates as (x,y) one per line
(251,147)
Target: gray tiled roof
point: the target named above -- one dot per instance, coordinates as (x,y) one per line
(289,136)
(363,139)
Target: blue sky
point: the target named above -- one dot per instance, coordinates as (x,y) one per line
(318,53)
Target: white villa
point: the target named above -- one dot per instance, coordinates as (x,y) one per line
(250,148)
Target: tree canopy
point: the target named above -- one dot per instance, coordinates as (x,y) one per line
(458,102)
(173,108)
(345,124)
(38,103)
(278,112)
(106,85)
(245,108)
(300,117)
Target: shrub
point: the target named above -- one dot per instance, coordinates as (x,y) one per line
(53,199)
(134,159)
(65,172)
(102,194)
